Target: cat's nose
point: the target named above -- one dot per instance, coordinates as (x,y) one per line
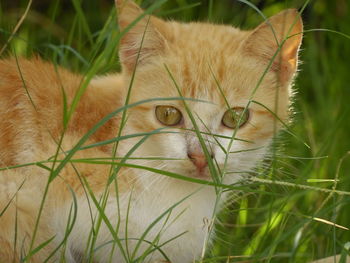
(198,159)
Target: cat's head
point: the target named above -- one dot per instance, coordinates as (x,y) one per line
(239,82)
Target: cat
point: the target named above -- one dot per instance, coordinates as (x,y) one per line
(218,71)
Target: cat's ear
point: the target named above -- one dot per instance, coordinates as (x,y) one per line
(283,30)
(143,36)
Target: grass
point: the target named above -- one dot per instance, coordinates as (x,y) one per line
(285,215)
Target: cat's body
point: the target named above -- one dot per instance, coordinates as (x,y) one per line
(32,124)
(36,131)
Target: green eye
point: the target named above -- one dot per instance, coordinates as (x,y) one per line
(235,118)
(168,115)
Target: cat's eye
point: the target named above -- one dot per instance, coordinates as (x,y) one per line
(168,115)
(235,117)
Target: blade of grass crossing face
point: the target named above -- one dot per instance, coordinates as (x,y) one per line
(180,177)
(113,171)
(208,157)
(124,137)
(87,135)
(127,99)
(129,153)
(233,137)
(211,135)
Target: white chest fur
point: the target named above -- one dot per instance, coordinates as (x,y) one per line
(172,219)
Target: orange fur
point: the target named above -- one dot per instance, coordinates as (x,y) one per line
(205,61)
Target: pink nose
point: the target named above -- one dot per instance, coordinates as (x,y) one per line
(198,159)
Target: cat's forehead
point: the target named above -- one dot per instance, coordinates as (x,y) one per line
(199,45)
(205,59)
(200,36)
(218,80)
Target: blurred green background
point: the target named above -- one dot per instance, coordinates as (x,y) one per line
(256,228)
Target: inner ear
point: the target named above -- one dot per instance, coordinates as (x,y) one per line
(279,36)
(143,35)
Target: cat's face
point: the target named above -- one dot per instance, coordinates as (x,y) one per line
(220,68)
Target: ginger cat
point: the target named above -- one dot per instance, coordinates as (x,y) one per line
(71,211)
